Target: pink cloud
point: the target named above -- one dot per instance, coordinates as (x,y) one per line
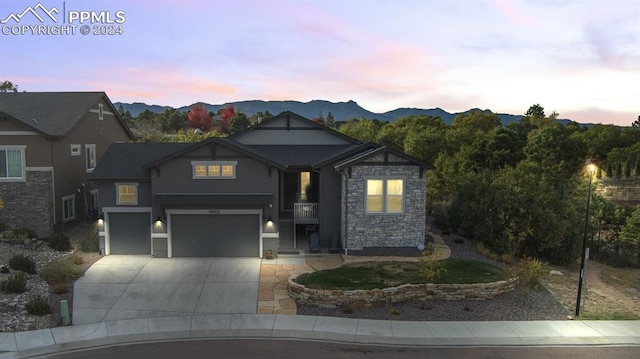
(508,8)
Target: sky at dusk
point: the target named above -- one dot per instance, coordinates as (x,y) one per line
(578,58)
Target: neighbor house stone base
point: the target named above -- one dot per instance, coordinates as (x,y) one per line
(374,297)
(29,204)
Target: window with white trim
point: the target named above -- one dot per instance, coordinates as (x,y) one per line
(68,208)
(76,150)
(12,166)
(100,111)
(126,193)
(384,195)
(214,169)
(90,153)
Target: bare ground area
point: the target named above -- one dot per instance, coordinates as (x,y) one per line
(611,293)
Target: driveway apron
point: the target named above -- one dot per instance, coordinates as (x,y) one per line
(129,287)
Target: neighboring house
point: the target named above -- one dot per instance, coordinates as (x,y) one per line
(242,195)
(49,143)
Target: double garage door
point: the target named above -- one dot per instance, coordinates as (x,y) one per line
(192,235)
(215,235)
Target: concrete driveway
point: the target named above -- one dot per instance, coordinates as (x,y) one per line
(128,287)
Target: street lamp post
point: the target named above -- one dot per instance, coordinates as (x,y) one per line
(591,169)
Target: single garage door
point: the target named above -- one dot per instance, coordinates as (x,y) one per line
(130,233)
(215,235)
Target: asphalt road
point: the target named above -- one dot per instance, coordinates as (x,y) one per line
(288,349)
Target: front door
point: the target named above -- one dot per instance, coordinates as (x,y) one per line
(290,190)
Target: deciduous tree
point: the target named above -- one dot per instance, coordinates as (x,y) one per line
(198,117)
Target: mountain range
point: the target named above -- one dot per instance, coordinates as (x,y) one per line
(341,111)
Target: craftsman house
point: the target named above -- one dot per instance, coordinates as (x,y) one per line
(49,143)
(266,187)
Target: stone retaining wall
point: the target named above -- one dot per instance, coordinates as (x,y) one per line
(337,298)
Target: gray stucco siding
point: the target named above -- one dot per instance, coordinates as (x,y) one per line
(361,229)
(107,193)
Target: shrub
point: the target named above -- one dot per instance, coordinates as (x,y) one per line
(76,259)
(4,269)
(61,271)
(90,244)
(2,225)
(22,263)
(60,243)
(60,288)
(530,271)
(38,305)
(16,283)
(24,233)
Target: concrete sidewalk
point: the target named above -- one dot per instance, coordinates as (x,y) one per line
(383,332)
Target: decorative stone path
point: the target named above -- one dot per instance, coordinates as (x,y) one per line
(273,297)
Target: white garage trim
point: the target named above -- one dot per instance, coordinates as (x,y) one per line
(171,212)
(107,210)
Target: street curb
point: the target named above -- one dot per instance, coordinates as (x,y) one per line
(340,330)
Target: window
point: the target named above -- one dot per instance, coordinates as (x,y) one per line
(68,208)
(94,203)
(12,163)
(76,150)
(385,196)
(100,111)
(90,151)
(126,193)
(214,169)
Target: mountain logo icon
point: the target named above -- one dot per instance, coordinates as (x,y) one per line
(39,11)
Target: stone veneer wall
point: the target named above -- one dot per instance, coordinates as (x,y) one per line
(29,204)
(337,298)
(360,230)
(623,191)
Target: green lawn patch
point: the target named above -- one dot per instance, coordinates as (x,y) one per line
(372,275)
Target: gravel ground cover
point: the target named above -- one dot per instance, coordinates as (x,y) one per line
(13,316)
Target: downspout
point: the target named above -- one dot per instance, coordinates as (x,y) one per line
(53,185)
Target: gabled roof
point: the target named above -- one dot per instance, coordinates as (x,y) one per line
(246,150)
(298,155)
(285,114)
(53,114)
(126,161)
(345,153)
(362,157)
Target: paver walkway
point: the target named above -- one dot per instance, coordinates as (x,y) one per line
(273,295)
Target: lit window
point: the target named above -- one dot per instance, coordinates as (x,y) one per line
(68,208)
(385,196)
(127,193)
(227,171)
(214,169)
(12,163)
(90,151)
(374,196)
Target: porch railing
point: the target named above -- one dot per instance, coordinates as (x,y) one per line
(304,213)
